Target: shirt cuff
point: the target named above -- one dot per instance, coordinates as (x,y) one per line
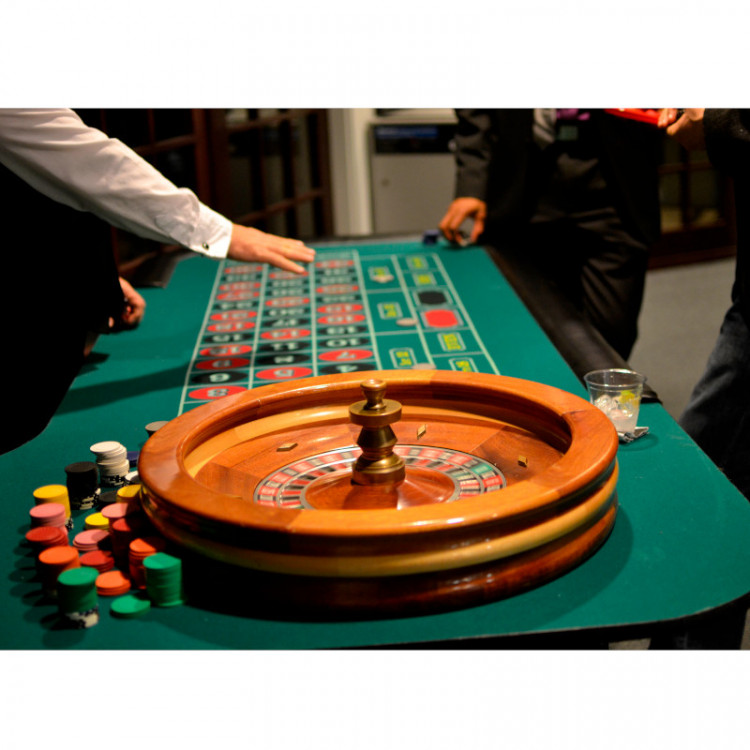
(212,235)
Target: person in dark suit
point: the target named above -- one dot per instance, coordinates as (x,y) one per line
(47,310)
(63,184)
(717,416)
(569,197)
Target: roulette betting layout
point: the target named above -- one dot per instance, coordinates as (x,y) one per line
(354,312)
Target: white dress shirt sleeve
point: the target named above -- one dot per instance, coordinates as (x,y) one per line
(59,155)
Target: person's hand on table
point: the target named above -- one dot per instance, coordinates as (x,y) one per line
(686,129)
(460,210)
(134,308)
(248,244)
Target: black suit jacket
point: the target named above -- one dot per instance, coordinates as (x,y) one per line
(498,161)
(728,144)
(58,281)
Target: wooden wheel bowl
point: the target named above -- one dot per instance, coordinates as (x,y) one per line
(556,451)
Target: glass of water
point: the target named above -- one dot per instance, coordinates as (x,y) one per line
(617,393)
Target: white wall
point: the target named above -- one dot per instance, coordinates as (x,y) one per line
(350,171)
(351,175)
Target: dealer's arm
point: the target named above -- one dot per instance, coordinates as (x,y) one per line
(59,155)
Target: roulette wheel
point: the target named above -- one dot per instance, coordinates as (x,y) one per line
(410,491)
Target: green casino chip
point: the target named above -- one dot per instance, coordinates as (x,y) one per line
(130,605)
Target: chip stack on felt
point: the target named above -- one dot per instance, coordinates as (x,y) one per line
(77,597)
(99,559)
(139,550)
(122,532)
(164,579)
(52,562)
(108,558)
(49,514)
(92,539)
(82,481)
(41,537)
(53,493)
(112,583)
(112,463)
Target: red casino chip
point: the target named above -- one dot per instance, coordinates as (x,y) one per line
(441,319)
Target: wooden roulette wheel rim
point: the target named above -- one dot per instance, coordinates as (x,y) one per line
(557,452)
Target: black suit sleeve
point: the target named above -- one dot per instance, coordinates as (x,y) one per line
(474,136)
(728,140)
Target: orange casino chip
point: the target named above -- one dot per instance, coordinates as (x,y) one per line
(112,583)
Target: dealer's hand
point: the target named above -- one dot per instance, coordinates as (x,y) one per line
(135,305)
(460,210)
(687,129)
(248,244)
(133,309)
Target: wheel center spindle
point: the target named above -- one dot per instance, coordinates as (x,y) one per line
(377,464)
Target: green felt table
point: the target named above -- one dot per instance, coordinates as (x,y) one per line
(679,545)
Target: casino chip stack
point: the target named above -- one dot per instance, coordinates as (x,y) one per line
(96,521)
(430,237)
(112,463)
(49,514)
(164,579)
(42,537)
(152,427)
(131,494)
(108,497)
(122,532)
(77,597)
(112,583)
(83,484)
(92,539)
(130,606)
(54,493)
(139,550)
(99,559)
(116,511)
(52,562)
(114,540)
